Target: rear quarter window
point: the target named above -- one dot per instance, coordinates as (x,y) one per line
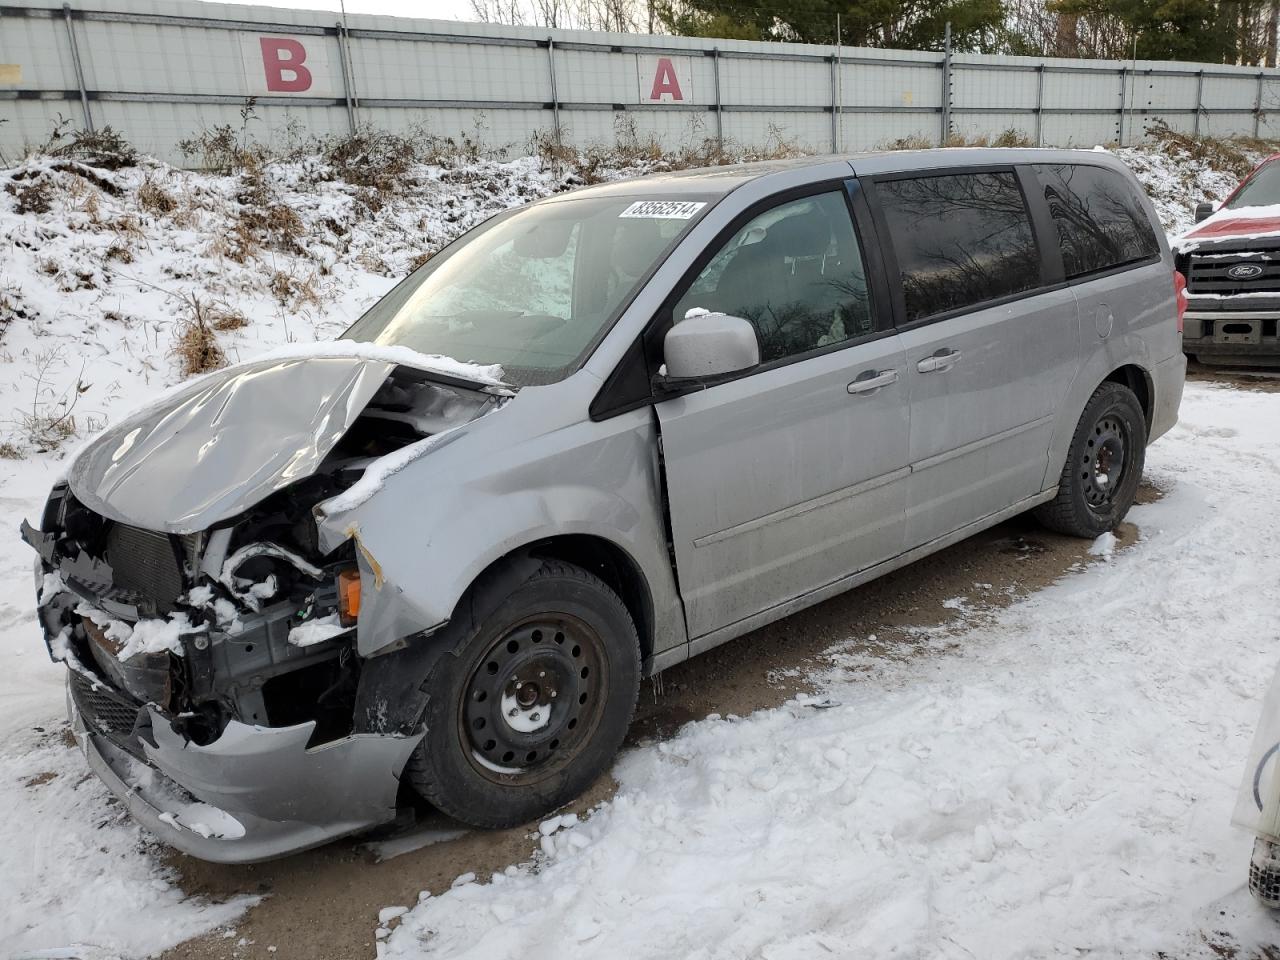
(960,240)
(1101,222)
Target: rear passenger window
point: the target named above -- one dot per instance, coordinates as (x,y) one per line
(961,240)
(1101,222)
(795,272)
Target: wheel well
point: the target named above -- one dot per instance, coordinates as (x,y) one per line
(1136,379)
(607,561)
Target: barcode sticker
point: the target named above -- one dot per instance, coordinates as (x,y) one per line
(663,209)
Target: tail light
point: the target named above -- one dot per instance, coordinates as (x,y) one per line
(348,597)
(1180,295)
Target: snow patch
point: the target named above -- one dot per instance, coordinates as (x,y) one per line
(146,636)
(317,631)
(382,469)
(485,374)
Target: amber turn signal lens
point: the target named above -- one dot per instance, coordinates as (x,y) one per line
(348,597)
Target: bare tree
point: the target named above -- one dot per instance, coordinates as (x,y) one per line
(616,16)
(510,12)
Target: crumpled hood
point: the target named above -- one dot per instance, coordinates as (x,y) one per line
(211,450)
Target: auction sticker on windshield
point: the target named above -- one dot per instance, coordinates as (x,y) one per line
(663,209)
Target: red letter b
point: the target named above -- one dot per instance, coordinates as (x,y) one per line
(282,58)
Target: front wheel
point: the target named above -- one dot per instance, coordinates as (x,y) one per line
(1104,466)
(535,703)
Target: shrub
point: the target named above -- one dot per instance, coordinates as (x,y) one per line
(195,346)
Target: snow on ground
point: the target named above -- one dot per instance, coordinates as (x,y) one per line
(100,270)
(1056,781)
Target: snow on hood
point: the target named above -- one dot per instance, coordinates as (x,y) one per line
(1241,223)
(211,450)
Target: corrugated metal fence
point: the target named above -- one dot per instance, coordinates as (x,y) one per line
(161,72)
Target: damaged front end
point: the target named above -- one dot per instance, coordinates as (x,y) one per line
(215,678)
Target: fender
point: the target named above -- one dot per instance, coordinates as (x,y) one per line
(440,522)
(1101,360)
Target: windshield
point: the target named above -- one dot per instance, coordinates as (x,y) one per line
(532,290)
(1260,190)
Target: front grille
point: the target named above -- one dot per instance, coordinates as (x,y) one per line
(145,564)
(107,712)
(1212,274)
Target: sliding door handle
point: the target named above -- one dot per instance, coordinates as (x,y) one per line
(942,360)
(872,380)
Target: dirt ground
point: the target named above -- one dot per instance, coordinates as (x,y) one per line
(323,905)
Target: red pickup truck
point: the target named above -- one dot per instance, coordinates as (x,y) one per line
(1231,261)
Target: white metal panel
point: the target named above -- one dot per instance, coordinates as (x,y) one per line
(875,85)
(994,88)
(176,67)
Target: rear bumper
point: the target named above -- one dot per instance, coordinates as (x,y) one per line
(1169,378)
(253,794)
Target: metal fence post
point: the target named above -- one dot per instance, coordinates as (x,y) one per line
(1040,106)
(343,40)
(715,73)
(555,98)
(1257,105)
(946,86)
(1195,127)
(835,105)
(75,60)
(1124,91)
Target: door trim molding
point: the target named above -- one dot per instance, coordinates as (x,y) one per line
(787,513)
(981,442)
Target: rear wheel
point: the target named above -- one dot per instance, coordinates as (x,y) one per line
(1104,466)
(535,704)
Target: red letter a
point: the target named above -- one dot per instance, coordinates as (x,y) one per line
(665,81)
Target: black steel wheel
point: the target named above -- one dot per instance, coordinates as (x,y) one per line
(1102,461)
(532,702)
(536,699)
(1103,467)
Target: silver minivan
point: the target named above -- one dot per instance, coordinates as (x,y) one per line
(591,438)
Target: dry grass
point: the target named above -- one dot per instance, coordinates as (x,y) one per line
(223,150)
(13,306)
(154,199)
(632,150)
(195,346)
(223,318)
(1236,155)
(294,291)
(34,193)
(11,451)
(51,419)
(916,141)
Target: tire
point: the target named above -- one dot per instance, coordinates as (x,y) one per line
(535,701)
(1090,500)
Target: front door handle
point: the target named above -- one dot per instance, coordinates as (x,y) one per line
(942,360)
(870,381)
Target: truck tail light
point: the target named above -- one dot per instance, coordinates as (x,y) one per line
(1180,295)
(348,597)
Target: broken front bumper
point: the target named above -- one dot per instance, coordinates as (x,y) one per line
(255,792)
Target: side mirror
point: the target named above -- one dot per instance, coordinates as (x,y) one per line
(704,346)
(1204,211)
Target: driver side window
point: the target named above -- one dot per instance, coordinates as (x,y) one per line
(795,272)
